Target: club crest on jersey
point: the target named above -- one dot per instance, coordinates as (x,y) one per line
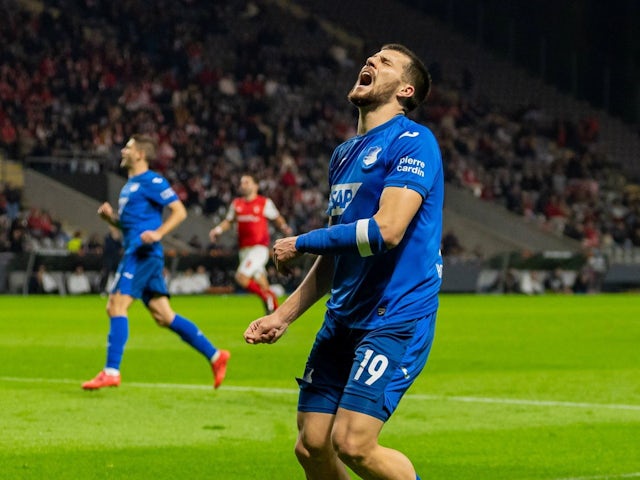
(168,193)
(371,156)
(341,197)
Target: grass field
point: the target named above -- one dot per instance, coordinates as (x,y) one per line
(544,388)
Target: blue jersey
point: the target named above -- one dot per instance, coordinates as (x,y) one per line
(140,206)
(402,283)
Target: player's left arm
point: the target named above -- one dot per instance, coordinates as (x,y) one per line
(272,213)
(281,224)
(368,236)
(398,207)
(177,214)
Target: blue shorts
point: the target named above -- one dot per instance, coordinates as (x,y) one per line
(140,277)
(365,371)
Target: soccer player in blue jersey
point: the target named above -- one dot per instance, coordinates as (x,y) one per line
(380,261)
(139,275)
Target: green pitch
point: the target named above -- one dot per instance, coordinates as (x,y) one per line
(544,388)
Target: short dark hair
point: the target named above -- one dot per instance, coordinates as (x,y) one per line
(146,144)
(417,74)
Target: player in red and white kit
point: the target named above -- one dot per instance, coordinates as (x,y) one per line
(252,212)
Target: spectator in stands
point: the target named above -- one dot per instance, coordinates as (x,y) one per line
(506,282)
(76,243)
(597,266)
(531,283)
(17,238)
(582,282)
(256,117)
(111,253)
(78,281)
(555,282)
(41,281)
(201,279)
(39,223)
(13,197)
(182,283)
(94,244)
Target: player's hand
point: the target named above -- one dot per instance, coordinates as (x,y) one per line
(150,236)
(213,234)
(105,211)
(284,251)
(267,329)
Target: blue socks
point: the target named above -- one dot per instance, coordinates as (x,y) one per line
(417,477)
(188,331)
(191,334)
(118,335)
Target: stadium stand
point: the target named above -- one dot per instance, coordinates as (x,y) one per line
(258,86)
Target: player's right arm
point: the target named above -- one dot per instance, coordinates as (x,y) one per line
(105,211)
(219,229)
(316,284)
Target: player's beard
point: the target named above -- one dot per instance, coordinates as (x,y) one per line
(126,162)
(372,97)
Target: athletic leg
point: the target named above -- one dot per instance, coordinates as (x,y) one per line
(355,438)
(117,307)
(163,314)
(314,449)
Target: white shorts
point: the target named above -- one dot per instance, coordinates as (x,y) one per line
(253,260)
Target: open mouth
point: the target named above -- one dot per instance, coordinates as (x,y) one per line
(365,78)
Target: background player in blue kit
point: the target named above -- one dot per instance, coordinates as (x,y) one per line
(380,260)
(139,275)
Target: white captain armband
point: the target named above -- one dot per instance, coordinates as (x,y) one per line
(362,237)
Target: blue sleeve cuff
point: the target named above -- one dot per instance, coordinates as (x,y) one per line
(362,237)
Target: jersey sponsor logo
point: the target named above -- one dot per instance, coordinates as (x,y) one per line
(127,275)
(411,165)
(156,180)
(371,156)
(341,197)
(168,193)
(248,218)
(409,134)
(439,268)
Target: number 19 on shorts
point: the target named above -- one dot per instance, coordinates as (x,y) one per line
(375,366)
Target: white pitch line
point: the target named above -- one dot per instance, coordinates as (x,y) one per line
(291,391)
(535,403)
(604,477)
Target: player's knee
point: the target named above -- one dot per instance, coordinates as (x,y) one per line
(311,448)
(350,450)
(302,454)
(241,279)
(115,310)
(161,319)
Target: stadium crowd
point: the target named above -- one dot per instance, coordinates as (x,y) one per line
(233,87)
